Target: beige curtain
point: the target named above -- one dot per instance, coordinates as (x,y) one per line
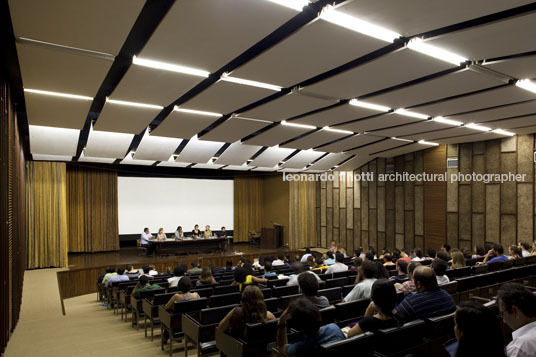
(46,208)
(247,207)
(302,219)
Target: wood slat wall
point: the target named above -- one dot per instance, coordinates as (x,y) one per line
(302,214)
(92,209)
(248,204)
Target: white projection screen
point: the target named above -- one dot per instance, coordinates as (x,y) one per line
(170,202)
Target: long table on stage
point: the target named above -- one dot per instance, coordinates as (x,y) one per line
(171,246)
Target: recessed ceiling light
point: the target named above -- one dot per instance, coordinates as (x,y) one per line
(527,85)
(477,127)
(411,114)
(361,104)
(291,4)
(423,142)
(286,123)
(399,139)
(169,67)
(447,121)
(196,112)
(503,132)
(225,77)
(418,44)
(337,130)
(134,104)
(58,94)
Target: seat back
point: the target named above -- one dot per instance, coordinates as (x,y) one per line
(451,287)
(224,299)
(351,310)
(278,282)
(519,261)
(333,294)
(162,299)
(479,269)
(214,315)
(507,264)
(203,292)
(150,293)
(328,314)
(494,266)
(266,292)
(180,307)
(400,338)
(284,301)
(346,289)
(342,274)
(331,283)
(261,333)
(439,326)
(218,290)
(285,290)
(272,304)
(363,344)
(530,260)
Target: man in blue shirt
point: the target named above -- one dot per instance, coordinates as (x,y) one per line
(330,259)
(268,269)
(498,255)
(121,276)
(306,319)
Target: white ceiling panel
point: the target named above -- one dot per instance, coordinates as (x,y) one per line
(238,167)
(378,146)
(207,34)
(336,115)
(61,71)
(226,97)
(417,16)
(48,140)
(403,150)
(125,118)
(516,35)
(100,160)
(198,151)
(503,95)
(276,135)
(389,70)
(525,130)
(183,125)
(379,122)
(445,86)
(286,107)
(265,169)
(471,138)
(207,166)
(355,163)
(97,25)
(526,120)
(315,139)
(443,133)
(302,159)
(522,67)
(234,129)
(497,113)
(350,143)
(39,157)
(306,53)
(156,148)
(237,154)
(129,160)
(149,85)
(47,110)
(107,144)
(172,163)
(271,157)
(418,127)
(328,161)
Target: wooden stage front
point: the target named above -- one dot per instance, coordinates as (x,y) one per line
(84,268)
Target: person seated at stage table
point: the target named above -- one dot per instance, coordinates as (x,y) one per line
(120,276)
(207,233)
(196,233)
(178,273)
(145,238)
(206,277)
(241,278)
(179,234)
(161,236)
(131,272)
(252,309)
(223,233)
(195,269)
(143,285)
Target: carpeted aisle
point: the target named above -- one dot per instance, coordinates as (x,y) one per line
(87,330)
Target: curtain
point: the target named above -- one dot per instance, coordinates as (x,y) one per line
(47,240)
(247,207)
(302,211)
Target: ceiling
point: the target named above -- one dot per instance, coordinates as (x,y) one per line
(268,85)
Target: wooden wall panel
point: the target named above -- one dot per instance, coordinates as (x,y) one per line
(248,206)
(435,198)
(493,212)
(302,226)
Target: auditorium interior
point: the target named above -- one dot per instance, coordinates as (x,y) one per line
(267,178)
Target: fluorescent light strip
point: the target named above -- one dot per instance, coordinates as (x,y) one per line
(286,123)
(427,143)
(247,82)
(57,94)
(197,112)
(477,127)
(418,44)
(527,85)
(361,104)
(134,104)
(411,114)
(447,121)
(170,67)
(503,132)
(337,130)
(342,19)
(399,139)
(291,4)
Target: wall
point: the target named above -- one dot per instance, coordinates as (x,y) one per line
(275,194)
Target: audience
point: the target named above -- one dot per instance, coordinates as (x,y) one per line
(268,270)
(243,277)
(143,285)
(479,252)
(440,268)
(442,255)
(309,289)
(120,276)
(446,248)
(388,259)
(514,252)
(152,271)
(146,270)
(517,305)
(497,251)
(319,265)
(280,261)
(525,249)
(310,263)
(195,269)
(229,266)
(178,273)
(404,256)
(206,277)
(339,265)
(401,272)
(408,286)
(418,255)
(368,271)
(131,272)
(330,258)
(430,253)
(184,294)
(306,319)
(110,271)
(298,269)
(382,271)
(458,260)
(306,255)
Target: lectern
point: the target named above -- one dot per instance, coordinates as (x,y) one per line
(272,238)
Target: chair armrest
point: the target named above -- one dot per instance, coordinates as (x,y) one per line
(190,327)
(480,299)
(276,352)
(228,344)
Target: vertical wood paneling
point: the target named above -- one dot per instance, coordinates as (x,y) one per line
(302,224)
(435,198)
(248,202)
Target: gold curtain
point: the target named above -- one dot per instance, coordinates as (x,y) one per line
(247,207)
(92,209)
(302,217)
(47,241)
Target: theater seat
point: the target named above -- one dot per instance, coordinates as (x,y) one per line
(399,341)
(361,345)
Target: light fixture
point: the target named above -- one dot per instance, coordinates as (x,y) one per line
(196,112)
(423,142)
(292,4)
(169,67)
(400,139)
(527,85)
(342,19)
(477,127)
(286,123)
(411,114)
(337,130)
(134,104)
(418,44)
(447,121)
(225,77)
(361,104)
(58,94)
(503,132)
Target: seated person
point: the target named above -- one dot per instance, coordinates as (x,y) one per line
(446,249)
(184,294)
(379,314)
(207,233)
(309,289)
(243,277)
(179,234)
(178,273)
(525,249)
(357,263)
(339,266)
(319,265)
(307,320)
(417,252)
(143,285)
(498,255)
(152,271)
(330,260)
(131,272)
(196,233)
(206,277)
(110,271)
(120,276)
(401,272)
(161,236)
(428,301)
(280,261)
(268,269)
(517,305)
(514,252)
(195,270)
(145,238)
(440,268)
(367,272)
(409,285)
(252,309)
(310,263)
(306,255)
(146,272)
(229,266)
(342,250)
(298,269)
(404,256)
(333,247)
(223,233)
(458,260)
(388,259)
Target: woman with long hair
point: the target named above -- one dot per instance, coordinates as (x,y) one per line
(205,277)
(207,233)
(161,236)
(252,309)
(458,260)
(514,252)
